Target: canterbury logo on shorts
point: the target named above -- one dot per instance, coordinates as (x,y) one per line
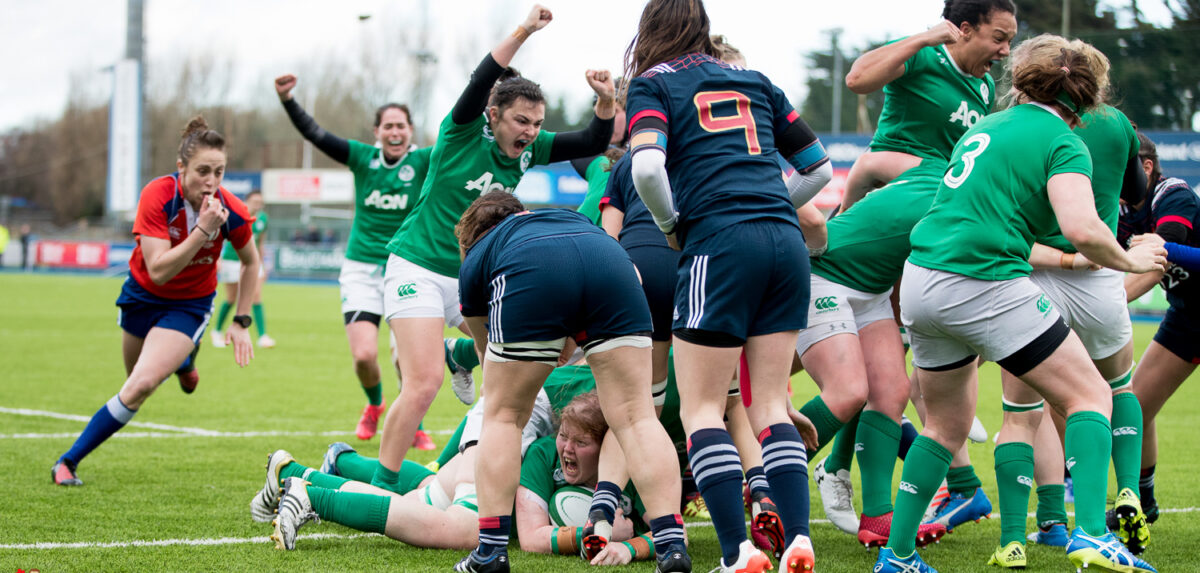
(825,303)
(1043,304)
(407,290)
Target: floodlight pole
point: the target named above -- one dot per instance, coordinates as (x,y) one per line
(1066,18)
(838,79)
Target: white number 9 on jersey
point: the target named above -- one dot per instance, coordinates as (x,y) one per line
(981,140)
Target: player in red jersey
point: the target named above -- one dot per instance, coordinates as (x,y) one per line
(182,221)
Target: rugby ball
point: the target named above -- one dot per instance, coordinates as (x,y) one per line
(569,506)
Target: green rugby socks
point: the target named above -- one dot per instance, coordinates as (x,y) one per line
(880,439)
(827,424)
(1126,439)
(924,468)
(361,511)
(1014,478)
(1088,447)
(312,476)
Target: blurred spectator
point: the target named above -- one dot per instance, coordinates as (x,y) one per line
(314,235)
(330,237)
(26,239)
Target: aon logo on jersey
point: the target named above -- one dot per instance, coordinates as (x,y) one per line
(965,115)
(386,202)
(485,184)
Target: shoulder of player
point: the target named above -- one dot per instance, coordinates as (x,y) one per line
(233,203)
(161,188)
(1175,189)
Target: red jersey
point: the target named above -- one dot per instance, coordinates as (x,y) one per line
(163,213)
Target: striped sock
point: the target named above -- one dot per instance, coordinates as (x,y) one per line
(605,500)
(493,534)
(786,464)
(718,472)
(756,477)
(667,531)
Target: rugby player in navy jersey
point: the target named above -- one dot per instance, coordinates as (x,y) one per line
(702,137)
(527,286)
(1170,209)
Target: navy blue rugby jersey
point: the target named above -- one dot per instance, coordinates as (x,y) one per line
(505,239)
(721,128)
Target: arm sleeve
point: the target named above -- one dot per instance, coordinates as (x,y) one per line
(587,142)
(797,142)
(802,187)
(474,98)
(1134,184)
(654,187)
(1184,256)
(336,148)
(648,152)
(581,164)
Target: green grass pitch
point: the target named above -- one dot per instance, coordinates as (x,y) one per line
(169,500)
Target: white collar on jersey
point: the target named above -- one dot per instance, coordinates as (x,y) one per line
(1049,109)
(946,52)
(383,158)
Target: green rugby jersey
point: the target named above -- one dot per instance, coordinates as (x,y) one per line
(993,201)
(868,244)
(1112,142)
(465,163)
(597,181)
(259,227)
(926,110)
(384,195)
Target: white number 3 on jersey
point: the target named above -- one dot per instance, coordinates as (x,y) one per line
(981,140)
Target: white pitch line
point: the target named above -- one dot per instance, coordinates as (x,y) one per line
(168,542)
(184,432)
(262,539)
(58,435)
(78,418)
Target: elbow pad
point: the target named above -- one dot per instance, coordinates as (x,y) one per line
(649,171)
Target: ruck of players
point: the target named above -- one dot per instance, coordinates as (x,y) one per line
(626,369)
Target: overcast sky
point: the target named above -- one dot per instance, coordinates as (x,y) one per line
(44,42)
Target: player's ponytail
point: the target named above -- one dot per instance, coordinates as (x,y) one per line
(1047,70)
(486,212)
(197,135)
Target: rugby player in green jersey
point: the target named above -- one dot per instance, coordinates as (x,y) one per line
(935,86)
(487,142)
(388,178)
(966,295)
(1092,302)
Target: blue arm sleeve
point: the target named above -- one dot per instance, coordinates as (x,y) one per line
(1184,256)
